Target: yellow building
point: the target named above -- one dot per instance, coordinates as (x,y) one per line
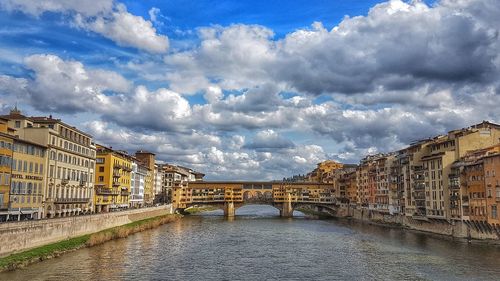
(323,171)
(28,180)
(6,146)
(112,179)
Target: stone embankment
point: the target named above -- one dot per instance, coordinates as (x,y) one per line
(21,236)
(464,230)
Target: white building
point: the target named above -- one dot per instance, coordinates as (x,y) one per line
(137,182)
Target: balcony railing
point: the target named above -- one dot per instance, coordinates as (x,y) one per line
(64,181)
(106,191)
(71,200)
(125,193)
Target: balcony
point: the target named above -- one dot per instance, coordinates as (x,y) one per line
(124,193)
(116,174)
(419,186)
(105,191)
(115,183)
(83,182)
(64,181)
(71,200)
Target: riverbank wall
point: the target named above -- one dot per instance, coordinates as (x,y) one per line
(467,230)
(24,235)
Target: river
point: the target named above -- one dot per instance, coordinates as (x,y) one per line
(259,245)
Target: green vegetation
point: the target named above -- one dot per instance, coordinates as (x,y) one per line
(199,209)
(25,258)
(42,253)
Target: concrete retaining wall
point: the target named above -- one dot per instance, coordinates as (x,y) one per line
(20,236)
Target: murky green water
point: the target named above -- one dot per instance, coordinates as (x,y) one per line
(258,245)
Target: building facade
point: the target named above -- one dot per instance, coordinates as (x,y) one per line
(112,179)
(28,181)
(137,183)
(148,160)
(70,164)
(6,153)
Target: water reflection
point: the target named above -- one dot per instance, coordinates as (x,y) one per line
(257,244)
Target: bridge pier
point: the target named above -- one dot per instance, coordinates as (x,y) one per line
(287,210)
(229,210)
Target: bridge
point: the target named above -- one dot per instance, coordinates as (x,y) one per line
(229,196)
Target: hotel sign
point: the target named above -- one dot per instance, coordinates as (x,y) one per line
(27,177)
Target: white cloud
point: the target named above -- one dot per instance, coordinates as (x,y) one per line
(105,17)
(61,85)
(153,14)
(126,30)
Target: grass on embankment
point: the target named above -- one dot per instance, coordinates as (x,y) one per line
(25,258)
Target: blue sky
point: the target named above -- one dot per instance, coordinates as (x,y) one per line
(252,89)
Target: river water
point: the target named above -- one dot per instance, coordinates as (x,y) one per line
(259,245)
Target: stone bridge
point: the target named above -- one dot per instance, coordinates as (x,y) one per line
(284,196)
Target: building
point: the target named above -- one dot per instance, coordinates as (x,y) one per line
(158,183)
(148,160)
(443,152)
(320,174)
(175,178)
(28,181)
(491,164)
(112,179)
(137,183)
(6,153)
(70,163)
(473,186)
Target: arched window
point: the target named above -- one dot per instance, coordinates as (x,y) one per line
(59,157)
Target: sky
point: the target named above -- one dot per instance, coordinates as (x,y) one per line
(253,90)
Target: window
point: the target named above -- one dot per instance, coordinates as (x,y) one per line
(18,124)
(493,211)
(101,179)
(41,169)
(99,160)
(101,169)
